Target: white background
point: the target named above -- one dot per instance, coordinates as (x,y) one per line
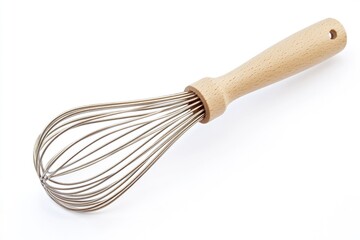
(282,163)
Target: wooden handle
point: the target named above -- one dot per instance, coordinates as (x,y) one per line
(296,53)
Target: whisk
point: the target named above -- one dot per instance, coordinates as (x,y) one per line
(89,156)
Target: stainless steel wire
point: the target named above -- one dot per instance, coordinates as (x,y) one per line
(89,156)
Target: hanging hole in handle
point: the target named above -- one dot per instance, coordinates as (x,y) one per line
(332,34)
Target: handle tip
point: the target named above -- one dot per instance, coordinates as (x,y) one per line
(336,33)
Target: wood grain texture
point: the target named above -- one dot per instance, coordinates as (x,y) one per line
(296,53)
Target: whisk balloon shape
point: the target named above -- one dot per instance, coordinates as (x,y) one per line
(112,144)
(89,156)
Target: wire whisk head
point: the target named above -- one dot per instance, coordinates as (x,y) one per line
(89,156)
